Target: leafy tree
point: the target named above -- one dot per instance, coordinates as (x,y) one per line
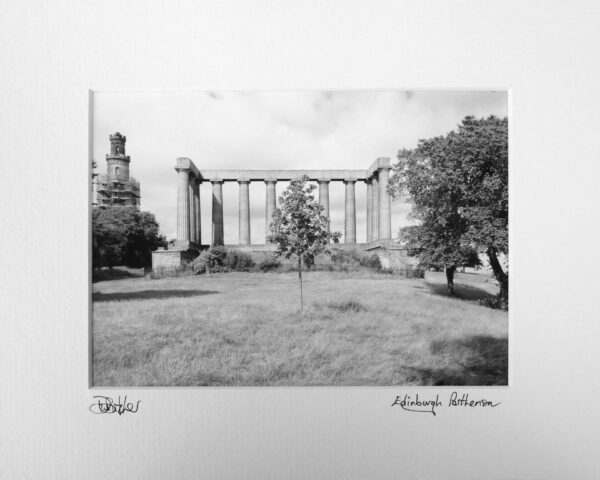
(299,227)
(124,236)
(437,247)
(459,187)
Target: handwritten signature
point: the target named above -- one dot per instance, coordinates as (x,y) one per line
(104,404)
(416,405)
(420,405)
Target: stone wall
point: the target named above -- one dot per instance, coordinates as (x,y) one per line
(399,260)
(167,259)
(393,257)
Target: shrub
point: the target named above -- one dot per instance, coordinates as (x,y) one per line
(417,272)
(347,260)
(494,302)
(269,264)
(338,256)
(218,254)
(370,261)
(201,263)
(221,259)
(124,236)
(238,261)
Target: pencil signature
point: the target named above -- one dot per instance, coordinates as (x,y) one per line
(104,404)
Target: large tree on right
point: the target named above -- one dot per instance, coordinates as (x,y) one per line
(459,187)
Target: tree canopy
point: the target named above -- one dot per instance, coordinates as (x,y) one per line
(124,236)
(459,187)
(299,227)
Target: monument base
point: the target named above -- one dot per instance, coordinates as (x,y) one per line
(176,257)
(258,252)
(391,255)
(167,260)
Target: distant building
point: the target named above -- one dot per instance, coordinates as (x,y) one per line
(116,188)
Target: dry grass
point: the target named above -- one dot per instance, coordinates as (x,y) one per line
(245,329)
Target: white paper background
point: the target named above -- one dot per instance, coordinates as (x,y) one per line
(52,53)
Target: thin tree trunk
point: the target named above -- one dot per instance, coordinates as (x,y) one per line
(300,278)
(450,278)
(500,276)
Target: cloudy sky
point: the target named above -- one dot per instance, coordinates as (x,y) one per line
(278,130)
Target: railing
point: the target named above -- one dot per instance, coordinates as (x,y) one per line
(409,271)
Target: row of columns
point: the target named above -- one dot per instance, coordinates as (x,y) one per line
(188,207)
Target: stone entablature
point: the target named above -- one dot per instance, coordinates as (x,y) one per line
(382,163)
(281,175)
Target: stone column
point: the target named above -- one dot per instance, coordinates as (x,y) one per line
(385,206)
(270,205)
(324,198)
(198,234)
(244,214)
(375,207)
(183,205)
(369,210)
(217,212)
(350,230)
(192,201)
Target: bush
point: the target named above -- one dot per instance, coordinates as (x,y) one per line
(269,264)
(237,261)
(201,263)
(346,259)
(217,255)
(369,261)
(124,236)
(494,302)
(416,272)
(221,259)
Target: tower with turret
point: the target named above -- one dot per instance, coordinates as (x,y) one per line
(117,163)
(116,187)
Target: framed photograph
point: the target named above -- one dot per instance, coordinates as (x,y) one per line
(265,240)
(276,260)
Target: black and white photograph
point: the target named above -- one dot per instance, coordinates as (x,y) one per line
(300,238)
(267,240)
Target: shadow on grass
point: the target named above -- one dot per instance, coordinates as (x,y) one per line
(116,273)
(148,295)
(462,292)
(480,360)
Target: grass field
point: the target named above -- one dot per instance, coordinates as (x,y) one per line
(357,328)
